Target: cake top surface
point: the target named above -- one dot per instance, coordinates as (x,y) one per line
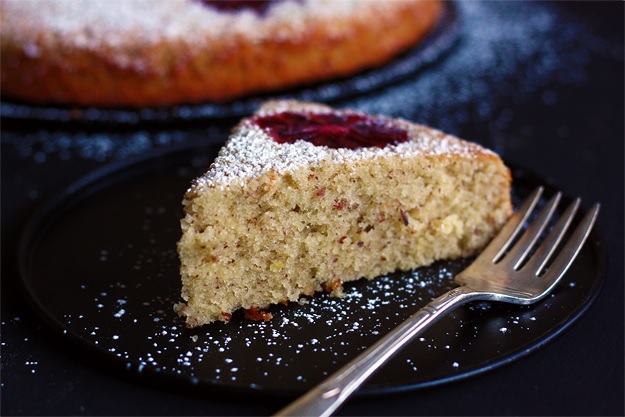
(251,151)
(93,23)
(152,35)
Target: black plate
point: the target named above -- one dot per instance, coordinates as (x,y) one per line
(433,47)
(99,263)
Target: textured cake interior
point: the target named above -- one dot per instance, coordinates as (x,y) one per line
(277,236)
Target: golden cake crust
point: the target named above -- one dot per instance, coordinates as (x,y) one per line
(165,52)
(269,222)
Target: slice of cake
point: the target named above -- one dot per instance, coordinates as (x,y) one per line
(303,198)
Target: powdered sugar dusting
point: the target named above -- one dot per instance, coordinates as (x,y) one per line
(122,28)
(277,353)
(250,151)
(508,50)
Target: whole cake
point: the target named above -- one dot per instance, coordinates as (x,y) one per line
(303,198)
(167,52)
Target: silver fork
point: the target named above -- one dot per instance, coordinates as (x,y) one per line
(508,270)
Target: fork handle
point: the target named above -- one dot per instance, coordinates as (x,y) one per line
(325,398)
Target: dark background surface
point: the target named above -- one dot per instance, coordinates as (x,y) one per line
(540,83)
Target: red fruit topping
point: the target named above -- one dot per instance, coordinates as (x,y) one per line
(334,130)
(260,6)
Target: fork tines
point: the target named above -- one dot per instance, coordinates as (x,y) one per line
(516,252)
